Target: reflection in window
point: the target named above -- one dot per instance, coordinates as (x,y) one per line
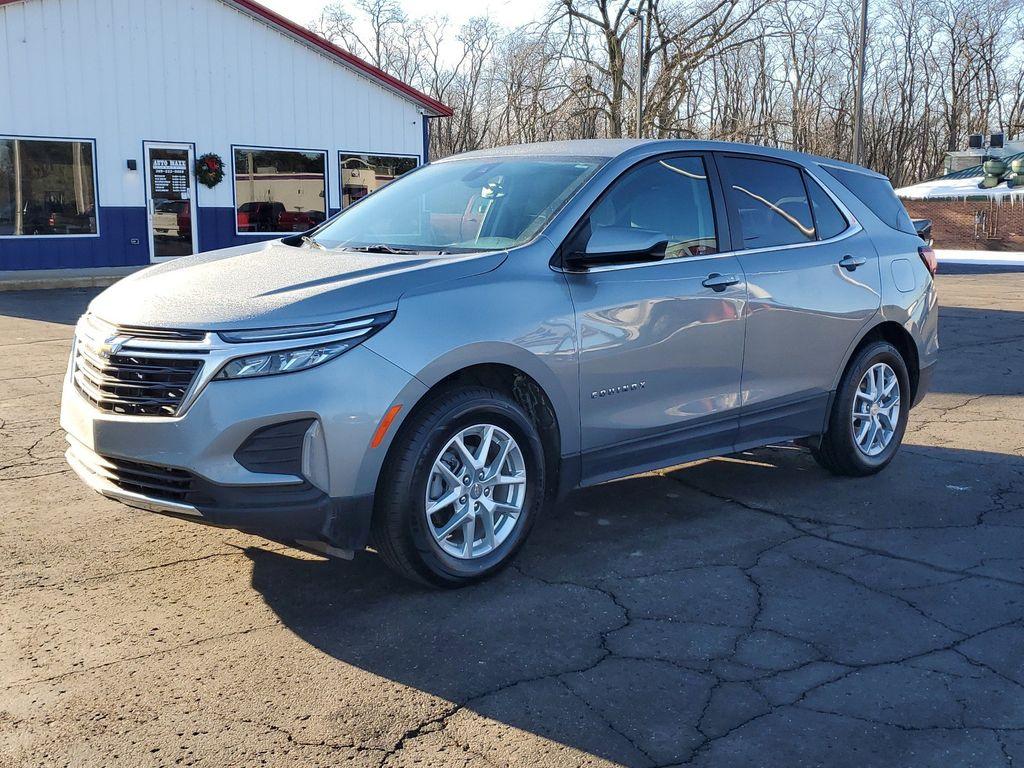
(279,190)
(47,187)
(770,199)
(362,174)
(670,198)
(463,205)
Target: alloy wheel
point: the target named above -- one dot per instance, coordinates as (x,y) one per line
(475,492)
(876,409)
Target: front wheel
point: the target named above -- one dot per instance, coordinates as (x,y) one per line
(869,413)
(463,484)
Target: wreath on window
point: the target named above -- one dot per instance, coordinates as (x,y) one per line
(210,169)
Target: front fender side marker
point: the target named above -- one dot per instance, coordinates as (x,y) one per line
(384,426)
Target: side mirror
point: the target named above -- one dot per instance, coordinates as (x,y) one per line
(618,245)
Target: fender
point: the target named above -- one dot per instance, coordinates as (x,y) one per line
(566,404)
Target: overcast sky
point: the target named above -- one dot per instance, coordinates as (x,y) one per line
(509,13)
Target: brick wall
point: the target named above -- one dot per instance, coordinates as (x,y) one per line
(982,225)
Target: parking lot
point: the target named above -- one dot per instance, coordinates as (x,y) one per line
(745,611)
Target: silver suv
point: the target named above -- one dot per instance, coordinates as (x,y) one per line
(427,370)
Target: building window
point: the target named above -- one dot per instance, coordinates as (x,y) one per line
(363,174)
(279,190)
(47,187)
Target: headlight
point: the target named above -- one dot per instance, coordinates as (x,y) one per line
(345,335)
(282,362)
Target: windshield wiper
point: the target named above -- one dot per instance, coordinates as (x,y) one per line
(313,243)
(380,248)
(384,248)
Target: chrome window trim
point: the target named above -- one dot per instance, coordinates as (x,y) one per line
(850,231)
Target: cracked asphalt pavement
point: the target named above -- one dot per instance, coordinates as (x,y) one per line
(745,611)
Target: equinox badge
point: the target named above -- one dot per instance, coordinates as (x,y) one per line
(635,386)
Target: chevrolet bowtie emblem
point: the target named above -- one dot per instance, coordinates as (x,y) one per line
(112,345)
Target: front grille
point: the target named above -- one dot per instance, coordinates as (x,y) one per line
(100,328)
(150,480)
(161,334)
(133,383)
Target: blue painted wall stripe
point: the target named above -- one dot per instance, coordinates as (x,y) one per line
(112,248)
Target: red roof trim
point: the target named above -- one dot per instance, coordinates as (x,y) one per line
(433,105)
(442,110)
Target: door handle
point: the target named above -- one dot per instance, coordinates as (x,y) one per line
(852,262)
(718,282)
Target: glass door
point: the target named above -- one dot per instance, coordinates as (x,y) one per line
(170,189)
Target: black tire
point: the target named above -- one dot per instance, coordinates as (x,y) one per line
(400,533)
(839,452)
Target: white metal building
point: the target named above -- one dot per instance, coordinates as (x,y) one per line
(106,105)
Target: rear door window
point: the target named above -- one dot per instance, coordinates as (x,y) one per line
(828,219)
(769,199)
(877,194)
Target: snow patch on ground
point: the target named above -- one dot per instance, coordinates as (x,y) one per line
(995,258)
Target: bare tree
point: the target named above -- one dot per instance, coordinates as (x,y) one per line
(774,72)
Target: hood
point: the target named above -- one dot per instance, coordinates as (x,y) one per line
(270,284)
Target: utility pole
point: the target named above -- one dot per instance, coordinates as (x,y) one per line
(638,14)
(858,117)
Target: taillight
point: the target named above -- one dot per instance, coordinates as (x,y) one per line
(927,255)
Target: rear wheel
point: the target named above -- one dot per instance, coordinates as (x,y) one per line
(869,413)
(463,484)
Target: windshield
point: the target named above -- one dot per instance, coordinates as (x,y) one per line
(462,205)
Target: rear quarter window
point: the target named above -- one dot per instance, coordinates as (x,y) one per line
(828,219)
(877,194)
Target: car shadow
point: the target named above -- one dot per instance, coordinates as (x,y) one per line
(63,306)
(647,619)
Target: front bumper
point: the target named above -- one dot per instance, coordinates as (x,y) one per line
(297,513)
(346,397)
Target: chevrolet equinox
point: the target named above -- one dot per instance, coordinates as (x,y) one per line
(425,371)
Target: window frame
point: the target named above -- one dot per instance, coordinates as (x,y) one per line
(852,225)
(723,230)
(341,182)
(734,214)
(234,191)
(95,185)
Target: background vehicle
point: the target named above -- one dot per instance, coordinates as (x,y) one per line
(57,218)
(260,217)
(299,221)
(173,218)
(923,227)
(451,353)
